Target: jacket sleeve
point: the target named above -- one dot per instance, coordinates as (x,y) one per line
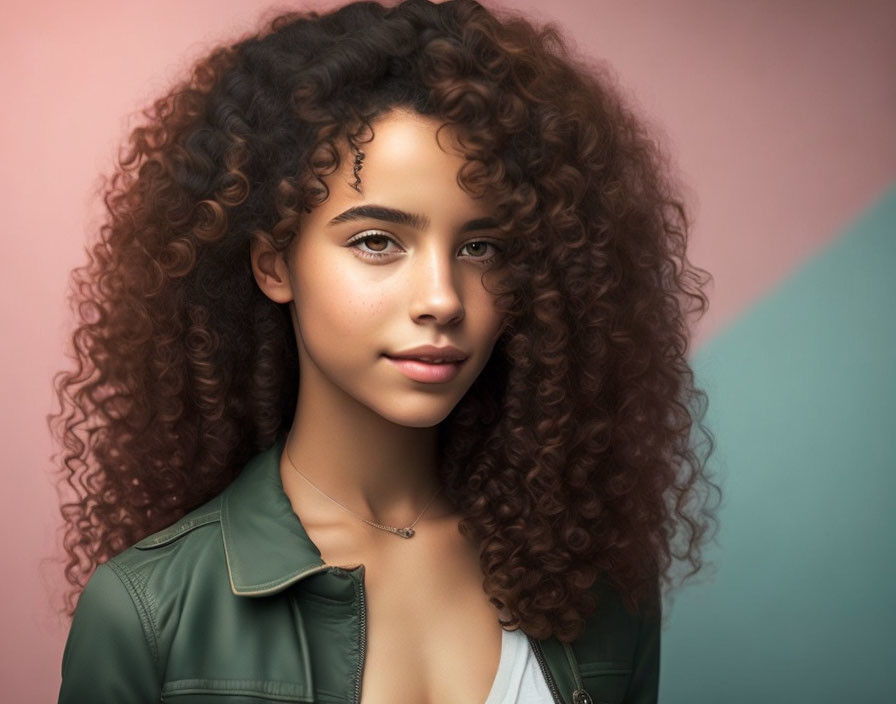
(108,658)
(644,684)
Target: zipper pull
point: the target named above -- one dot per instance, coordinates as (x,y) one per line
(580,696)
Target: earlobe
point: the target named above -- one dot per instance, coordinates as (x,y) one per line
(270,270)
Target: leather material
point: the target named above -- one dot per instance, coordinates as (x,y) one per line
(233,603)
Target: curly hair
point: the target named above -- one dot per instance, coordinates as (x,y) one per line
(572,459)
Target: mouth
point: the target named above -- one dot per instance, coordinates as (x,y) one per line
(427,371)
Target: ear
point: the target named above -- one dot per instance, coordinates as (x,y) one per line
(270,270)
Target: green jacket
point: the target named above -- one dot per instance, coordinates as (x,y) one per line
(233,604)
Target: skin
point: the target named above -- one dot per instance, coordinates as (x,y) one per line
(363,432)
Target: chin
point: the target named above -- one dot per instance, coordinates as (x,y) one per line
(417,421)
(417,418)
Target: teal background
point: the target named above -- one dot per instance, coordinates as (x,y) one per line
(801,606)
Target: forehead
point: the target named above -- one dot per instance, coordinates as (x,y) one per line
(411,163)
(402,135)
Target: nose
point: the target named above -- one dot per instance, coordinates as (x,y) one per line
(435,296)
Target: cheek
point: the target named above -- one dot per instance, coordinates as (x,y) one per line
(488,318)
(338,305)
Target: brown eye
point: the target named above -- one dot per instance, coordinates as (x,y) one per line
(375,246)
(376,243)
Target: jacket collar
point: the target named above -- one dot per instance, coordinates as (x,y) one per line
(266,547)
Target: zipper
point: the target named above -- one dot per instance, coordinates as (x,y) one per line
(539,655)
(362,637)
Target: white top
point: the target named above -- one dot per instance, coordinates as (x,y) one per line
(519,679)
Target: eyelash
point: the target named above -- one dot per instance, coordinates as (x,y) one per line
(382,235)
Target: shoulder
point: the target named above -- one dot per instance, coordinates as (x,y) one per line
(118,641)
(179,543)
(618,650)
(613,621)
(139,580)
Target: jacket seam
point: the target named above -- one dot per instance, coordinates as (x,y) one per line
(126,577)
(599,669)
(573,665)
(286,691)
(178,530)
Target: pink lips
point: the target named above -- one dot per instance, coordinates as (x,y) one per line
(426,372)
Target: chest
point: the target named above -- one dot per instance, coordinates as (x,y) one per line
(430,633)
(433,617)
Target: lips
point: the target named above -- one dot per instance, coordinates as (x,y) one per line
(425,371)
(431,354)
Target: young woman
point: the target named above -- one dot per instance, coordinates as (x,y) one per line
(381,391)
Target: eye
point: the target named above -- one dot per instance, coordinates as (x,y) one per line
(373,245)
(482,250)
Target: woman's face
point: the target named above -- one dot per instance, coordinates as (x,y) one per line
(396,265)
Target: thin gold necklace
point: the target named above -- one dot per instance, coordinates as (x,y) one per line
(403,532)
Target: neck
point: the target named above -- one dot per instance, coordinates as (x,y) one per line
(380,470)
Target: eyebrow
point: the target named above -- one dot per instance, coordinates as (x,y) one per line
(401,217)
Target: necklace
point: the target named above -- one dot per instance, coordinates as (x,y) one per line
(403,532)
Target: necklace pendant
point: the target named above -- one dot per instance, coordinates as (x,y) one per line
(405,532)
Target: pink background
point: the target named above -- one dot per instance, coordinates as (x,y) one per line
(779,115)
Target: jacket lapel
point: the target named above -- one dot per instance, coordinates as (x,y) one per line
(266,547)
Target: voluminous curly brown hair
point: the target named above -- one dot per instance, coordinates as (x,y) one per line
(571,459)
